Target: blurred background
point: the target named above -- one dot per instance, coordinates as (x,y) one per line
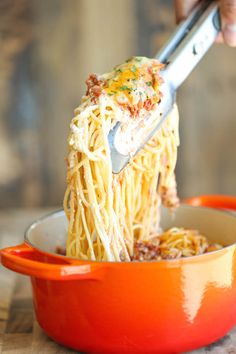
(49,47)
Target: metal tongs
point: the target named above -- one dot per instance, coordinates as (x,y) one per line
(185,48)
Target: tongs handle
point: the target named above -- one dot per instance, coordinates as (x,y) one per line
(190,41)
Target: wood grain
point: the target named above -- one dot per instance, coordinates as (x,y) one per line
(19,331)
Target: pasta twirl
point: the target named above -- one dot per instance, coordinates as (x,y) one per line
(110,215)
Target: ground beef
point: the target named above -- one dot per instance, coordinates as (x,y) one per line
(169,195)
(94,86)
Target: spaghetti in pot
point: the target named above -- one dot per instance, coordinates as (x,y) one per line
(111,215)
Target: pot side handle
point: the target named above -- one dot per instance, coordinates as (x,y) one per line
(28,261)
(216,201)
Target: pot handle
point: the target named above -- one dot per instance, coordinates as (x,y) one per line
(216,201)
(28,261)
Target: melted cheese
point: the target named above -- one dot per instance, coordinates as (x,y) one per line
(134,82)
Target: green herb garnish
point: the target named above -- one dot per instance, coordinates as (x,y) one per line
(133,69)
(123,88)
(149,83)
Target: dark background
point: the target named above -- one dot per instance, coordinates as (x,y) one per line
(49,47)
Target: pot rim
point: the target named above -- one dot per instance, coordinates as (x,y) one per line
(173,262)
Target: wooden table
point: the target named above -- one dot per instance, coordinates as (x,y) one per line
(19,331)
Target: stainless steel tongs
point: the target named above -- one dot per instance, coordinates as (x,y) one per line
(185,48)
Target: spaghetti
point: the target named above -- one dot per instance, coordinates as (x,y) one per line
(109,215)
(174,243)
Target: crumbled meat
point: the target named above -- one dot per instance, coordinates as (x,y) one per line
(122,256)
(148,104)
(134,110)
(146,251)
(169,195)
(60,250)
(94,86)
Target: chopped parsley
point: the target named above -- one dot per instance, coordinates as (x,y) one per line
(123,88)
(133,69)
(112,93)
(149,83)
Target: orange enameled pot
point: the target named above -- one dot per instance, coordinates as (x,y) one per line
(137,307)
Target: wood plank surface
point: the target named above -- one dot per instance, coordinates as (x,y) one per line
(19,331)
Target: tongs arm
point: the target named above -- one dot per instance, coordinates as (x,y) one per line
(189,43)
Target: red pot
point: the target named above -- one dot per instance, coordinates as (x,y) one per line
(138,307)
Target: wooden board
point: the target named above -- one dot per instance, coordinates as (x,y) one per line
(19,331)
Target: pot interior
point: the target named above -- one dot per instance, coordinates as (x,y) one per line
(49,233)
